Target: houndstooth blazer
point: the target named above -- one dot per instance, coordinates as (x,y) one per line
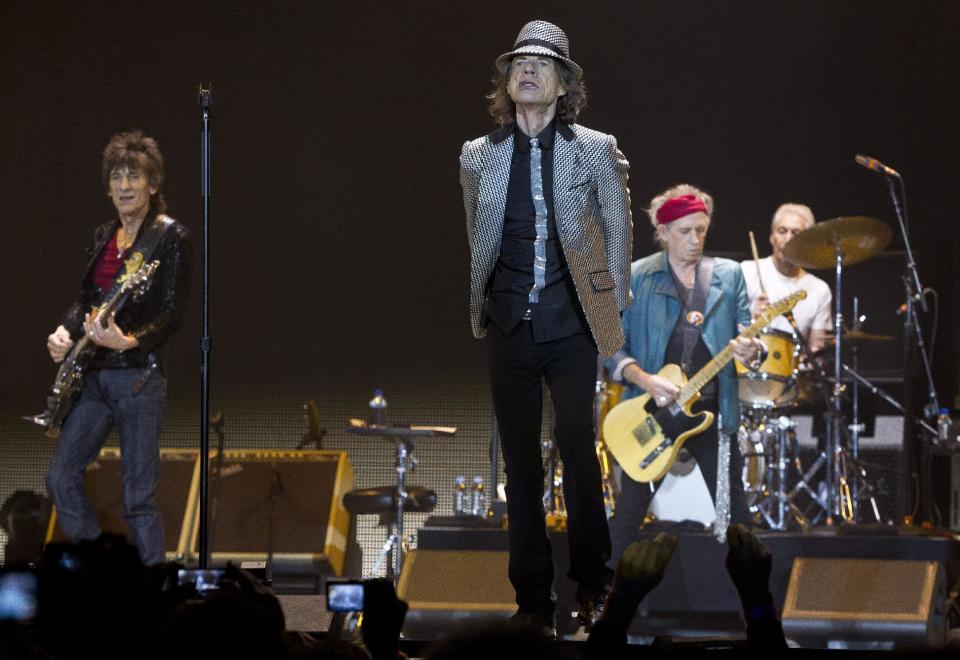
(592,207)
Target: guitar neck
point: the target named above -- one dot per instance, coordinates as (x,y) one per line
(702,377)
(111,307)
(719,361)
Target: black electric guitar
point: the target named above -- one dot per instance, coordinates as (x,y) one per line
(646,439)
(69,380)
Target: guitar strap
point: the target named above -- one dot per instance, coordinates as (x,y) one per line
(140,252)
(694,307)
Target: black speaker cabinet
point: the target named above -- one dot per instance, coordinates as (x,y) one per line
(176,496)
(447,587)
(287,502)
(305,612)
(898,602)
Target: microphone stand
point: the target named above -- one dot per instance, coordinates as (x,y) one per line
(276,489)
(217,423)
(913,335)
(205,99)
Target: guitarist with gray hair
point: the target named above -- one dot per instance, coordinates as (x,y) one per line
(114,339)
(686,310)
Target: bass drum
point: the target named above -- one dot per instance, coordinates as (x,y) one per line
(774,384)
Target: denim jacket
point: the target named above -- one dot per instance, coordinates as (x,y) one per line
(649,322)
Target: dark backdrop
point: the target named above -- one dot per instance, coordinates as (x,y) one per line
(338,241)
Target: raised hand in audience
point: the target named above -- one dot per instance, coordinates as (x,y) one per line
(748,564)
(640,569)
(383,616)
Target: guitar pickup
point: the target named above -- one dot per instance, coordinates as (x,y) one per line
(645,431)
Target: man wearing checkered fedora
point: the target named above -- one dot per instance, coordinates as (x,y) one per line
(550,234)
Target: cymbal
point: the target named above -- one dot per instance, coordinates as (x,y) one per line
(856,336)
(858,238)
(859,335)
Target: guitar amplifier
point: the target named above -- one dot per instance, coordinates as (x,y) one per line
(287,503)
(176,496)
(447,588)
(896,602)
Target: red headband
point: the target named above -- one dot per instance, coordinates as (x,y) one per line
(679,207)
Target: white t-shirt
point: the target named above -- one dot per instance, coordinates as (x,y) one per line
(813,312)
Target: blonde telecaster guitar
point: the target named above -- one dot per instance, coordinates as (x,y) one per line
(646,439)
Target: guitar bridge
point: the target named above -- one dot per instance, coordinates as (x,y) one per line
(652,456)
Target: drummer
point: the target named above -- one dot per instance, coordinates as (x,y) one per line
(780,277)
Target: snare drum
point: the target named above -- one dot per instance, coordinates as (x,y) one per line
(774,384)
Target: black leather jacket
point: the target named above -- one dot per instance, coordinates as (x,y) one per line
(151,317)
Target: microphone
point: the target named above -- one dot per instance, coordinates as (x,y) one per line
(875,165)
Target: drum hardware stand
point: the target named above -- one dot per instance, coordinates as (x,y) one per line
(860,483)
(806,478)
(856,427)
(554,504)
(403,437)
(776,497)
(404,462)
(835,480)
(883,394)
(395,546)
(816,497)
(601,404)
(834,463)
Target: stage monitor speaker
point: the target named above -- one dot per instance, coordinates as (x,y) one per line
(287,501)
(445,588)
(897,603)
(305,613)
(176,496)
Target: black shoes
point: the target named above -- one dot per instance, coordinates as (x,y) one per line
(591,606)
(544,625)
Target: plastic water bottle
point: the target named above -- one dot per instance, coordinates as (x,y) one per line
(460,496)
(944,424)
(478,498)
(378,409)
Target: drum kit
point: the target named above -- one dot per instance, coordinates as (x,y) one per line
(793,378)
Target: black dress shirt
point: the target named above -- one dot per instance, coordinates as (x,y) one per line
(698,359)
(557,314)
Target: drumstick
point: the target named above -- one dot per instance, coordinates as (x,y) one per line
(756,260)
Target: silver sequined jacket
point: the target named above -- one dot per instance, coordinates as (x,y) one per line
(592,207)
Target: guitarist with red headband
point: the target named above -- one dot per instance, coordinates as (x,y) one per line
(686,309)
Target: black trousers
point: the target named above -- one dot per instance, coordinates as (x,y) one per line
(635,497)
(568,366)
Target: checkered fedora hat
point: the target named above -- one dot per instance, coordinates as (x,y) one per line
(542,38)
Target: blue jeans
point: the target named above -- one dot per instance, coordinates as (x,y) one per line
(107,400)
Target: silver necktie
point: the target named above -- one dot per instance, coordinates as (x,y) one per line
(539,245)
